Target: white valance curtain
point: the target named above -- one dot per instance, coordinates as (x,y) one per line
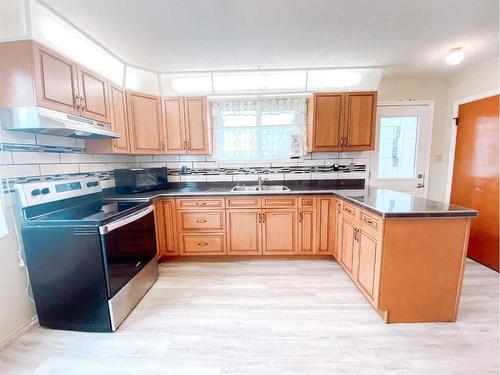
(259,129)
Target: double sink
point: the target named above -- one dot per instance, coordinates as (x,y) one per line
(243,188)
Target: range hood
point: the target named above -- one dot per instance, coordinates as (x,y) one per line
(46,121)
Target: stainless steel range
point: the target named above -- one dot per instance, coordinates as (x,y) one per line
(90,260)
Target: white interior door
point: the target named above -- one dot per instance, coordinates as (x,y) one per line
(401,157)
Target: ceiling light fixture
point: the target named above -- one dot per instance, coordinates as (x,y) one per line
(455,56)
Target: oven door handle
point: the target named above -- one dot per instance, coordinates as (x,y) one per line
(125,220)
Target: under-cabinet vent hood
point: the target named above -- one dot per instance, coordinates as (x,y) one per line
(46,121)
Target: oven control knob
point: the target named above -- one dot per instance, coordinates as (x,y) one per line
(35,192)
(45,191)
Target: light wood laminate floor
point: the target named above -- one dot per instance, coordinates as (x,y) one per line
(269,317)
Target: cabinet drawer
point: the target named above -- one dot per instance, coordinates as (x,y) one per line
(196,203)
(202,220)
(279,202)
(371,222)
(202,244)
(243,202)
(307,202)
(349,210)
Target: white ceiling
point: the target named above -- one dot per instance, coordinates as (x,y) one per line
(407,36)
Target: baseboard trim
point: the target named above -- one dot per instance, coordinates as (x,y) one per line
(18,332)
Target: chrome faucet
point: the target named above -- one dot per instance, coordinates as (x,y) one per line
(260,181)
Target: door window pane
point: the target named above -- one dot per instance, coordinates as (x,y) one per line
(397,147)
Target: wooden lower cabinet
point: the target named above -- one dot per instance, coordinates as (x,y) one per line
(202,244)
(279,231)
(369,256)
(244,231)
(325,226)
(307,231)
(166,234)
(348,250)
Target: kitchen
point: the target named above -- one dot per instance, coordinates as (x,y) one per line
(253,214)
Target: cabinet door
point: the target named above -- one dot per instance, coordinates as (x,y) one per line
(93,91)
(196,125)
(119,121)
(368,262)
(145,121)
(56,82)
(169,227)
(279,228)
(326,230)
(175,141)
(307,231)
(338,225)
(348,246)
(244,231)
(360,117)
(327,123)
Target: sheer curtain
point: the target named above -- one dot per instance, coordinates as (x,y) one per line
(259,129)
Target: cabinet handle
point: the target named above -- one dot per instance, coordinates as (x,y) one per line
(184,145)
(300,217)
(203,244)
(162,145)
(201,221)
(260,218)
(77,98)
(348,210)
(264,217)
(189,145)
(368,221)
(201,203)
(83,103)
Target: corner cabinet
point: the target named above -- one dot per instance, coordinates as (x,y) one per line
(146,124)
(342,121)
(187,123)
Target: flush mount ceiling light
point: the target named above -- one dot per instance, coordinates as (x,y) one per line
(455,56)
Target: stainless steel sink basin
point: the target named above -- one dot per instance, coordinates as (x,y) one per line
(274,188)
(244,188)
(251,188)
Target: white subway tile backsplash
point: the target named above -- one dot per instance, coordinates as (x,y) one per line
(174,178)
(324,175)
(143,158)
(192,158)
(193,178)
(35,157)
(338,161)
(311,163)
(179,165)
(153,165)
(257,165)
(5,157)
(52,140)
(273,176)
(113,166)
(103,158)
(76,158)
(86,168)
(232,165)
(325,155)
(125,158)
(47,169)
(165,157)
(355,154)
(245,177)
(219,177)
(20,170)
(283,164)
(206,164)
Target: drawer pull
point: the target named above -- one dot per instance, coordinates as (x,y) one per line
(203,244)
(368,221)
(201,203)
(201,221)
(349,210)
(300,217)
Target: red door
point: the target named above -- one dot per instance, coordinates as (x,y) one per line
(475,176)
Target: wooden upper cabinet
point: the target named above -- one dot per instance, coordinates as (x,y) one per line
(145,120)
(93,95)
(342,121)
(327,122)
(56,81)
(196,125)
(119,124)
(359,124)
(175,142)
(186,125)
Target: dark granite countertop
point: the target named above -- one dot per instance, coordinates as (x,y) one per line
(383,202)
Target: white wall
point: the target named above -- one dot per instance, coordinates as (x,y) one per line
(17,311)
(12,20)
(418,88)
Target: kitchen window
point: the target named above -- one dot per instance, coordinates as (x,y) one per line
(259,129)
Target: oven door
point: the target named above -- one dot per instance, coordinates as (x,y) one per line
(128,245)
